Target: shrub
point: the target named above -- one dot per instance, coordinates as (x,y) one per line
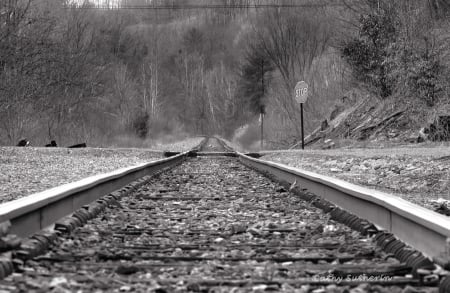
(417,72)
(389,57)
(366,53)
(140,125)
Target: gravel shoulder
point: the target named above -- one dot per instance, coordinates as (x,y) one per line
(24,171)
(418,174)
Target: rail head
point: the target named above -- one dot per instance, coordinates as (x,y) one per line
(388,211)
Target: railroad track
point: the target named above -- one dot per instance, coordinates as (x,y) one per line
(212,224)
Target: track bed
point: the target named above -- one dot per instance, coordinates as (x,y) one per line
(212,225)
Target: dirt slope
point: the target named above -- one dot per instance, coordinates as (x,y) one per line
(361,116)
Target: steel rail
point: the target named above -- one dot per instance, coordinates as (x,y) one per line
(206,6)
(421,228)
(217,154)
(40,210)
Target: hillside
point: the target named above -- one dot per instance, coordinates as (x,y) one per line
(362,117)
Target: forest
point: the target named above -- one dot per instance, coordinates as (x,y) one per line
(128,72)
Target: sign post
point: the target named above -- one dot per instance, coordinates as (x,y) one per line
(262,112)
(300,96)
(261,117)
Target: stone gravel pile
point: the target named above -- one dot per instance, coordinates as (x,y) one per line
(24,171)
(419,175)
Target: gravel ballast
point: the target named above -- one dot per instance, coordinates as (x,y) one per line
(419,175)
(24,171)
(211,225)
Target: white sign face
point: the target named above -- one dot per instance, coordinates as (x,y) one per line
(301,92)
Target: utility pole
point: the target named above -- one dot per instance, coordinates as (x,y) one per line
(154,97)
(262,108)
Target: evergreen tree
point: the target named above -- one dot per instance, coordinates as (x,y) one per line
(254,79)
(367,53)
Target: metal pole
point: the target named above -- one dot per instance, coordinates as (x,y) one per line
(261,110)
(301,117)
(262,130)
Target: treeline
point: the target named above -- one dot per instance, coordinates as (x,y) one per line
(53,72)
(71,73)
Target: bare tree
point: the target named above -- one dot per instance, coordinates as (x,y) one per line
(293,40)
(25,49)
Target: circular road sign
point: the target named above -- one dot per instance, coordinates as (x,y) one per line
(301,92)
